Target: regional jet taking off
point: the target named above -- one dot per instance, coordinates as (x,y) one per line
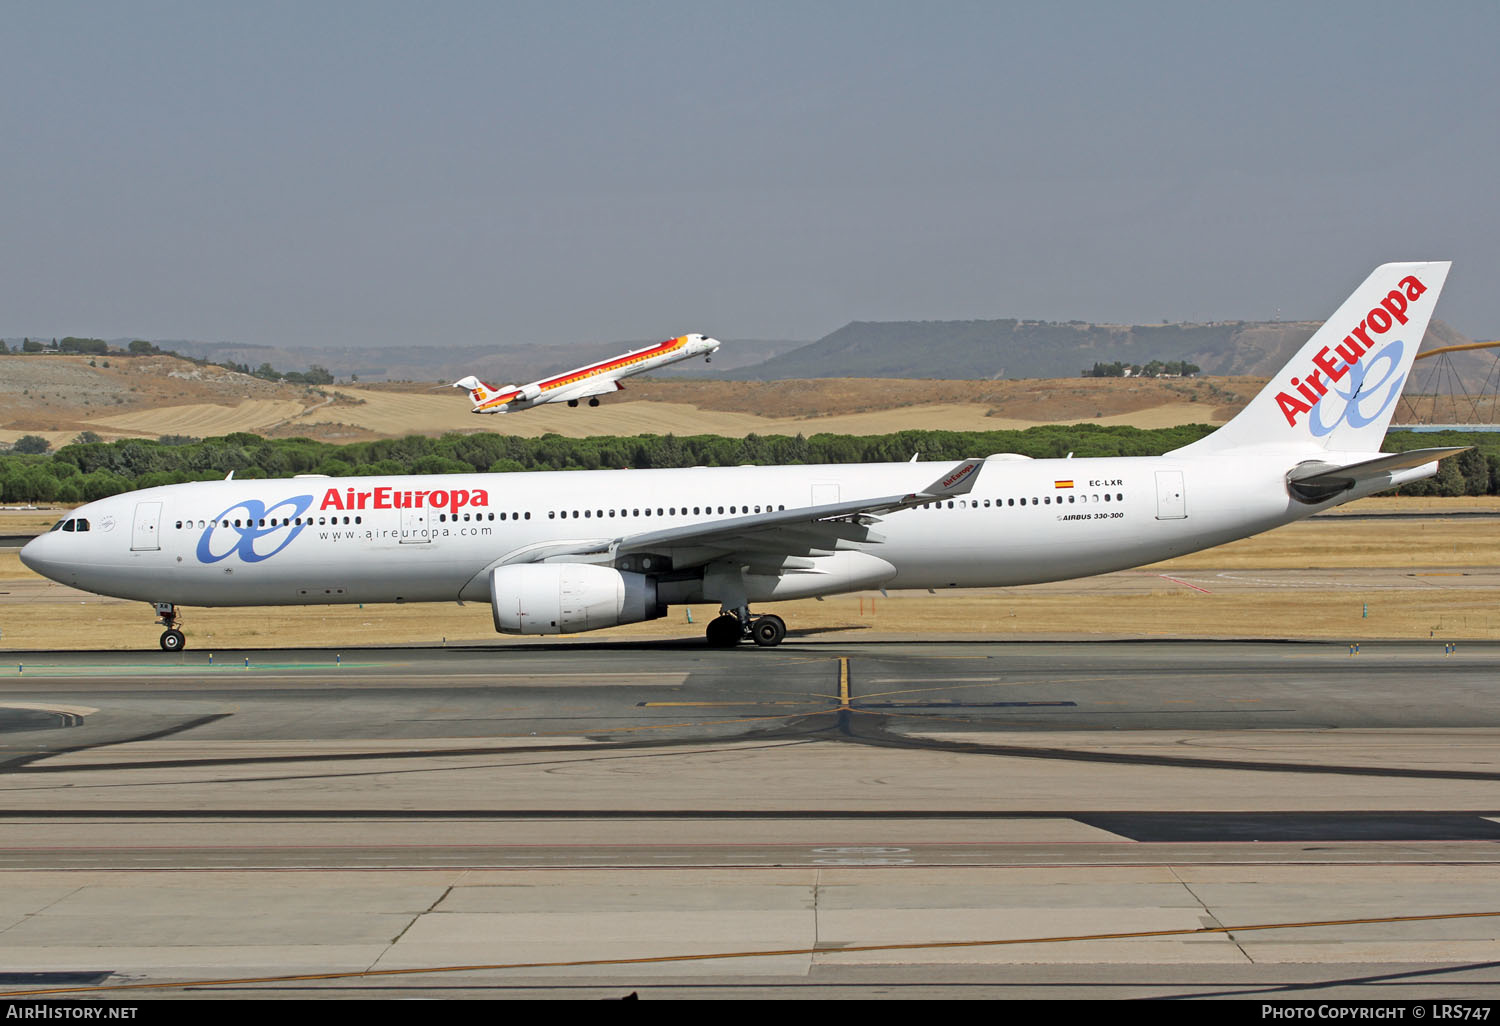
(586,382)
(564,552)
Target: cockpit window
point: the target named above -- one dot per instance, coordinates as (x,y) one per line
(70,525)
(57,526)
(83,524)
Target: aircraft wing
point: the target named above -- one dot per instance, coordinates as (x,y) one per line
(1317,481)
(586,388)
(787,532)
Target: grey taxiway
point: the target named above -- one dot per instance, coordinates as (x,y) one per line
(946,817)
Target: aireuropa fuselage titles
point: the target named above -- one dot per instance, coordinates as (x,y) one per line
(434,538)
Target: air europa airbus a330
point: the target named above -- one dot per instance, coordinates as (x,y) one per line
(577,551)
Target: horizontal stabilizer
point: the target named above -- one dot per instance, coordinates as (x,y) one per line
(1316,481)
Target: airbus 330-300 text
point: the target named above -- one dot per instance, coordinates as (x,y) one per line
(565,552)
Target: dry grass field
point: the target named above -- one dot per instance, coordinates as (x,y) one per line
(1357,580)
(146,397)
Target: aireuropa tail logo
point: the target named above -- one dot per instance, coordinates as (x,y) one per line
(253,530)
(1365,388)
(1351,360)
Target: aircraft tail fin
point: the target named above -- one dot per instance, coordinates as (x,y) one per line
(479,392)
(1340,391)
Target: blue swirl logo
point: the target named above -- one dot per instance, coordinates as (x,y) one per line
(1359,395)
(263,526)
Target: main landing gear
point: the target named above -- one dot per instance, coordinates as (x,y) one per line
(729,629)
(172,639)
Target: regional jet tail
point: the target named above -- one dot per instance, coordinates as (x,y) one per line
(586,382)
(572,551)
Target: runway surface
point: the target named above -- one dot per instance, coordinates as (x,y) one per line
(936,818)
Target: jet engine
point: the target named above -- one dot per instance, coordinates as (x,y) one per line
(568,598)
(529,392)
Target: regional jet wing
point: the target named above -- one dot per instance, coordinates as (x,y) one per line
(789,531)
(1318,481)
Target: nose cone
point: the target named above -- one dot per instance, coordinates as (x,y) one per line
(710,345)
(40,556)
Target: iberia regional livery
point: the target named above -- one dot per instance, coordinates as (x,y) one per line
(565,552)
(586,382)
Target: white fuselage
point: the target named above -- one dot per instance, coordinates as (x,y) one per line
(432,538)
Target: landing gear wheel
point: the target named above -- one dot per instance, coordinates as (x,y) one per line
(593,402)
(573,402)
(723,631)
(172,640)
(768,631)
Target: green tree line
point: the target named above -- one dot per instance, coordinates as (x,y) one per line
(90,470)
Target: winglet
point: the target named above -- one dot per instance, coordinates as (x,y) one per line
(957,481)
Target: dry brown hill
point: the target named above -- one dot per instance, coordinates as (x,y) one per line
(147,397)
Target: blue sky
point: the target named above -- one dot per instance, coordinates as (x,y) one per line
(373,173)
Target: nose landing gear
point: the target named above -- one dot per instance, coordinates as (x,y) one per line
(172,639)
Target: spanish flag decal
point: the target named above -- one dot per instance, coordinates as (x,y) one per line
(1062,484)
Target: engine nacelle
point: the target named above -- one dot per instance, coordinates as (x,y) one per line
(569,598)
(529,392)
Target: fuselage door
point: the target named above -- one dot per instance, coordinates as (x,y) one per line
(417,525)
(145,536)
(1171,499)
